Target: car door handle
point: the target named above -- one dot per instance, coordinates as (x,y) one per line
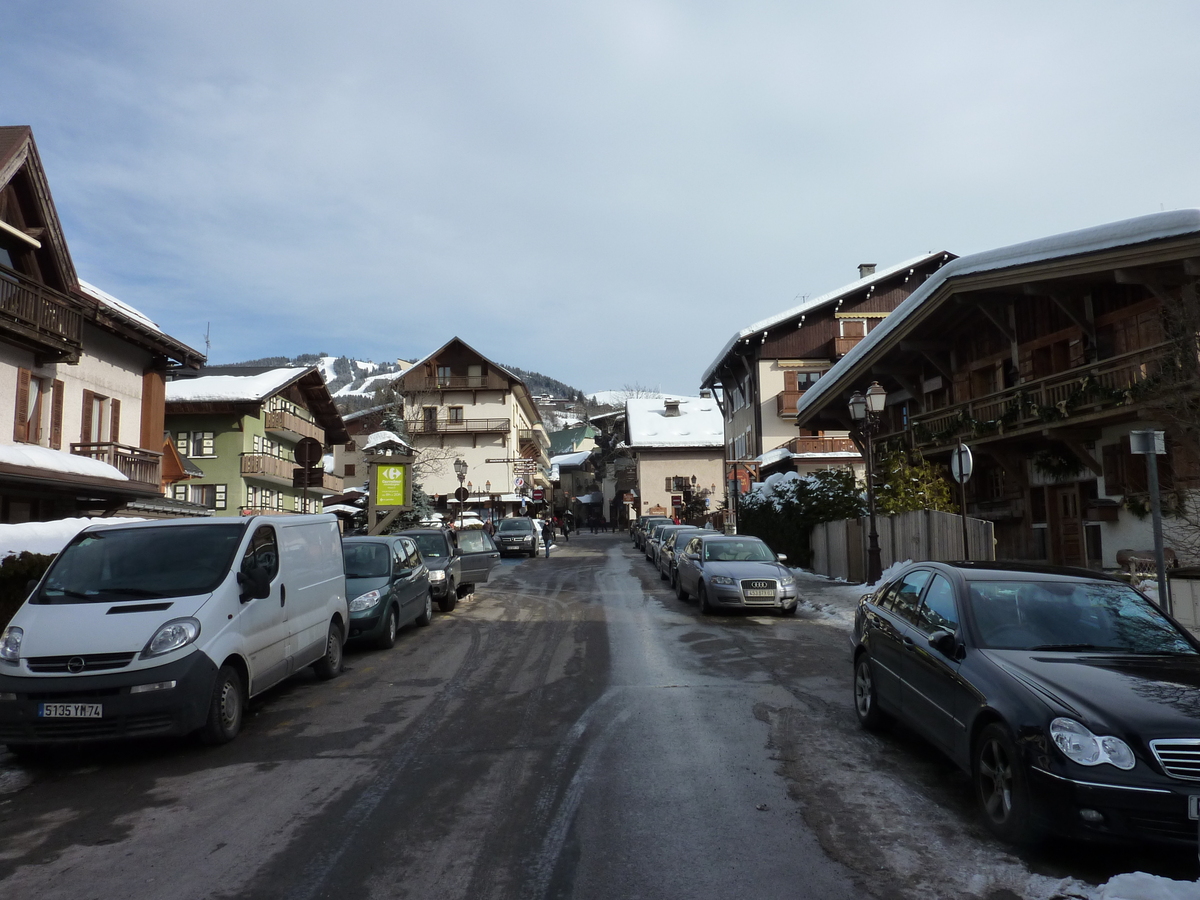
(908,643)
(282,595)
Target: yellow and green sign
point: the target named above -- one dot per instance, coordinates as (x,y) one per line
(391,486)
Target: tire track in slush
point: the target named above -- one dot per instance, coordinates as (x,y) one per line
(316,874)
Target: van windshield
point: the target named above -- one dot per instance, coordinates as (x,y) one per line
(142,563)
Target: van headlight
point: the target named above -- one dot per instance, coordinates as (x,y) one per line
(10,644)
(173,635)
(1079,745)
(437,574)
(364,601)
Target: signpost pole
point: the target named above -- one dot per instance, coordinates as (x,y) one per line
(961,465)
(1150,444)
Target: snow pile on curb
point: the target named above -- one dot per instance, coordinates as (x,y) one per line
(1142,886)
(48,537)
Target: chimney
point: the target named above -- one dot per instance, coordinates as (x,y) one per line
(706,394)
(671,407)
(865,269)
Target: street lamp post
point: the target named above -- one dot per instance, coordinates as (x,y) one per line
(460,469)
(865,413)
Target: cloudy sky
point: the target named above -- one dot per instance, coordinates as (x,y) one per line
(601,191)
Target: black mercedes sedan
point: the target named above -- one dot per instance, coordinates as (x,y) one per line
(1070,699)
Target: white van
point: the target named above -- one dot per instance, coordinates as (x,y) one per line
(169,627)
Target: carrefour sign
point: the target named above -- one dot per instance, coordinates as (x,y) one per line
(391,485)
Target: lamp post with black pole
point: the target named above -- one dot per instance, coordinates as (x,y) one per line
(865,413)
(460,469)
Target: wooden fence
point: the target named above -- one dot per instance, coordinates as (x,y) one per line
(840,548)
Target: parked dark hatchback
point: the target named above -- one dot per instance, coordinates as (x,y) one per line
(388,587)
(1067,696)
(445,570)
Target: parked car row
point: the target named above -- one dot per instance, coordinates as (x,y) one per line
(1067,697)
(171,627)
(721,571)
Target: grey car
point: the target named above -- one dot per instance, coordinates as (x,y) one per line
(671,545)
(387,584)
(445,570)
(478,556)
(735,572)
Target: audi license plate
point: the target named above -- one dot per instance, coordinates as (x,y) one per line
(71,711)
(1194,806)
(760,593)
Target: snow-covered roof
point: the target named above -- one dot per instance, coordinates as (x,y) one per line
(35,457)
(49,537)
(120,306)
(217,388)
(618,398)
(699,423)
(571,459)
(771,457)
(813,304)
(1157,226)
(379,438)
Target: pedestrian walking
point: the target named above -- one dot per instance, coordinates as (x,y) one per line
(547,535)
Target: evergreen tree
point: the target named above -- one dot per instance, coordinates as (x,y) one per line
(784,515)
(905,481)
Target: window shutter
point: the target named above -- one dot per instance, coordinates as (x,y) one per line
(206,443)
(85,420)
(181,442)
(220,494)
(56,415)
(668,483)
(789,381)
(114,428)
(21,419)
(349,470)
(179,491)
(1114,478)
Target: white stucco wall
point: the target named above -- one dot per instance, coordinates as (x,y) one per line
(655,466)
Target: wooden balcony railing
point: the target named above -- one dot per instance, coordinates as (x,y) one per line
(40,316)
(821,445)
(457,426)
(785,403)
(1085,389)
(141,466)
(489,382)
(291,425)
(268,468)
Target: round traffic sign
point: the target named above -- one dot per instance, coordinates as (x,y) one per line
(961,464)
(519,482)
(462,495)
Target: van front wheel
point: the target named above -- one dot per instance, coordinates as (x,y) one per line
(330,665)
(226,709)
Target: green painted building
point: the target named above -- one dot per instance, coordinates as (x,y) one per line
(239,426)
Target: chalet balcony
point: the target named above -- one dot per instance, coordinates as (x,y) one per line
(822,445)
(1082,392)
(275,470)
(142,467)
(459,426)
(489,382)
(785,403)
(40,318)
(292,427)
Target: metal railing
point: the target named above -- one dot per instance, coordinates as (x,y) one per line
(488,382)
(457,426)
(136,464)
(45,312)
(1088,388)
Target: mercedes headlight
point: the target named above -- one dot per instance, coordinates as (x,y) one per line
(1079,745)
(173,635)
(722,579)
(10,644)
(437,574)
(364,601)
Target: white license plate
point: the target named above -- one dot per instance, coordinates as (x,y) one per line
(71,711)
(1194,806)
(760,593)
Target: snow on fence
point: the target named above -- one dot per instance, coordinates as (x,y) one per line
(840,548)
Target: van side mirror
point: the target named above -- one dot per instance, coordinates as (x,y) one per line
(256,584)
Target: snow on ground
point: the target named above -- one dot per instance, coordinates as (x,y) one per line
(368,387)
(48,537)
(1141,886)
(618,398)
